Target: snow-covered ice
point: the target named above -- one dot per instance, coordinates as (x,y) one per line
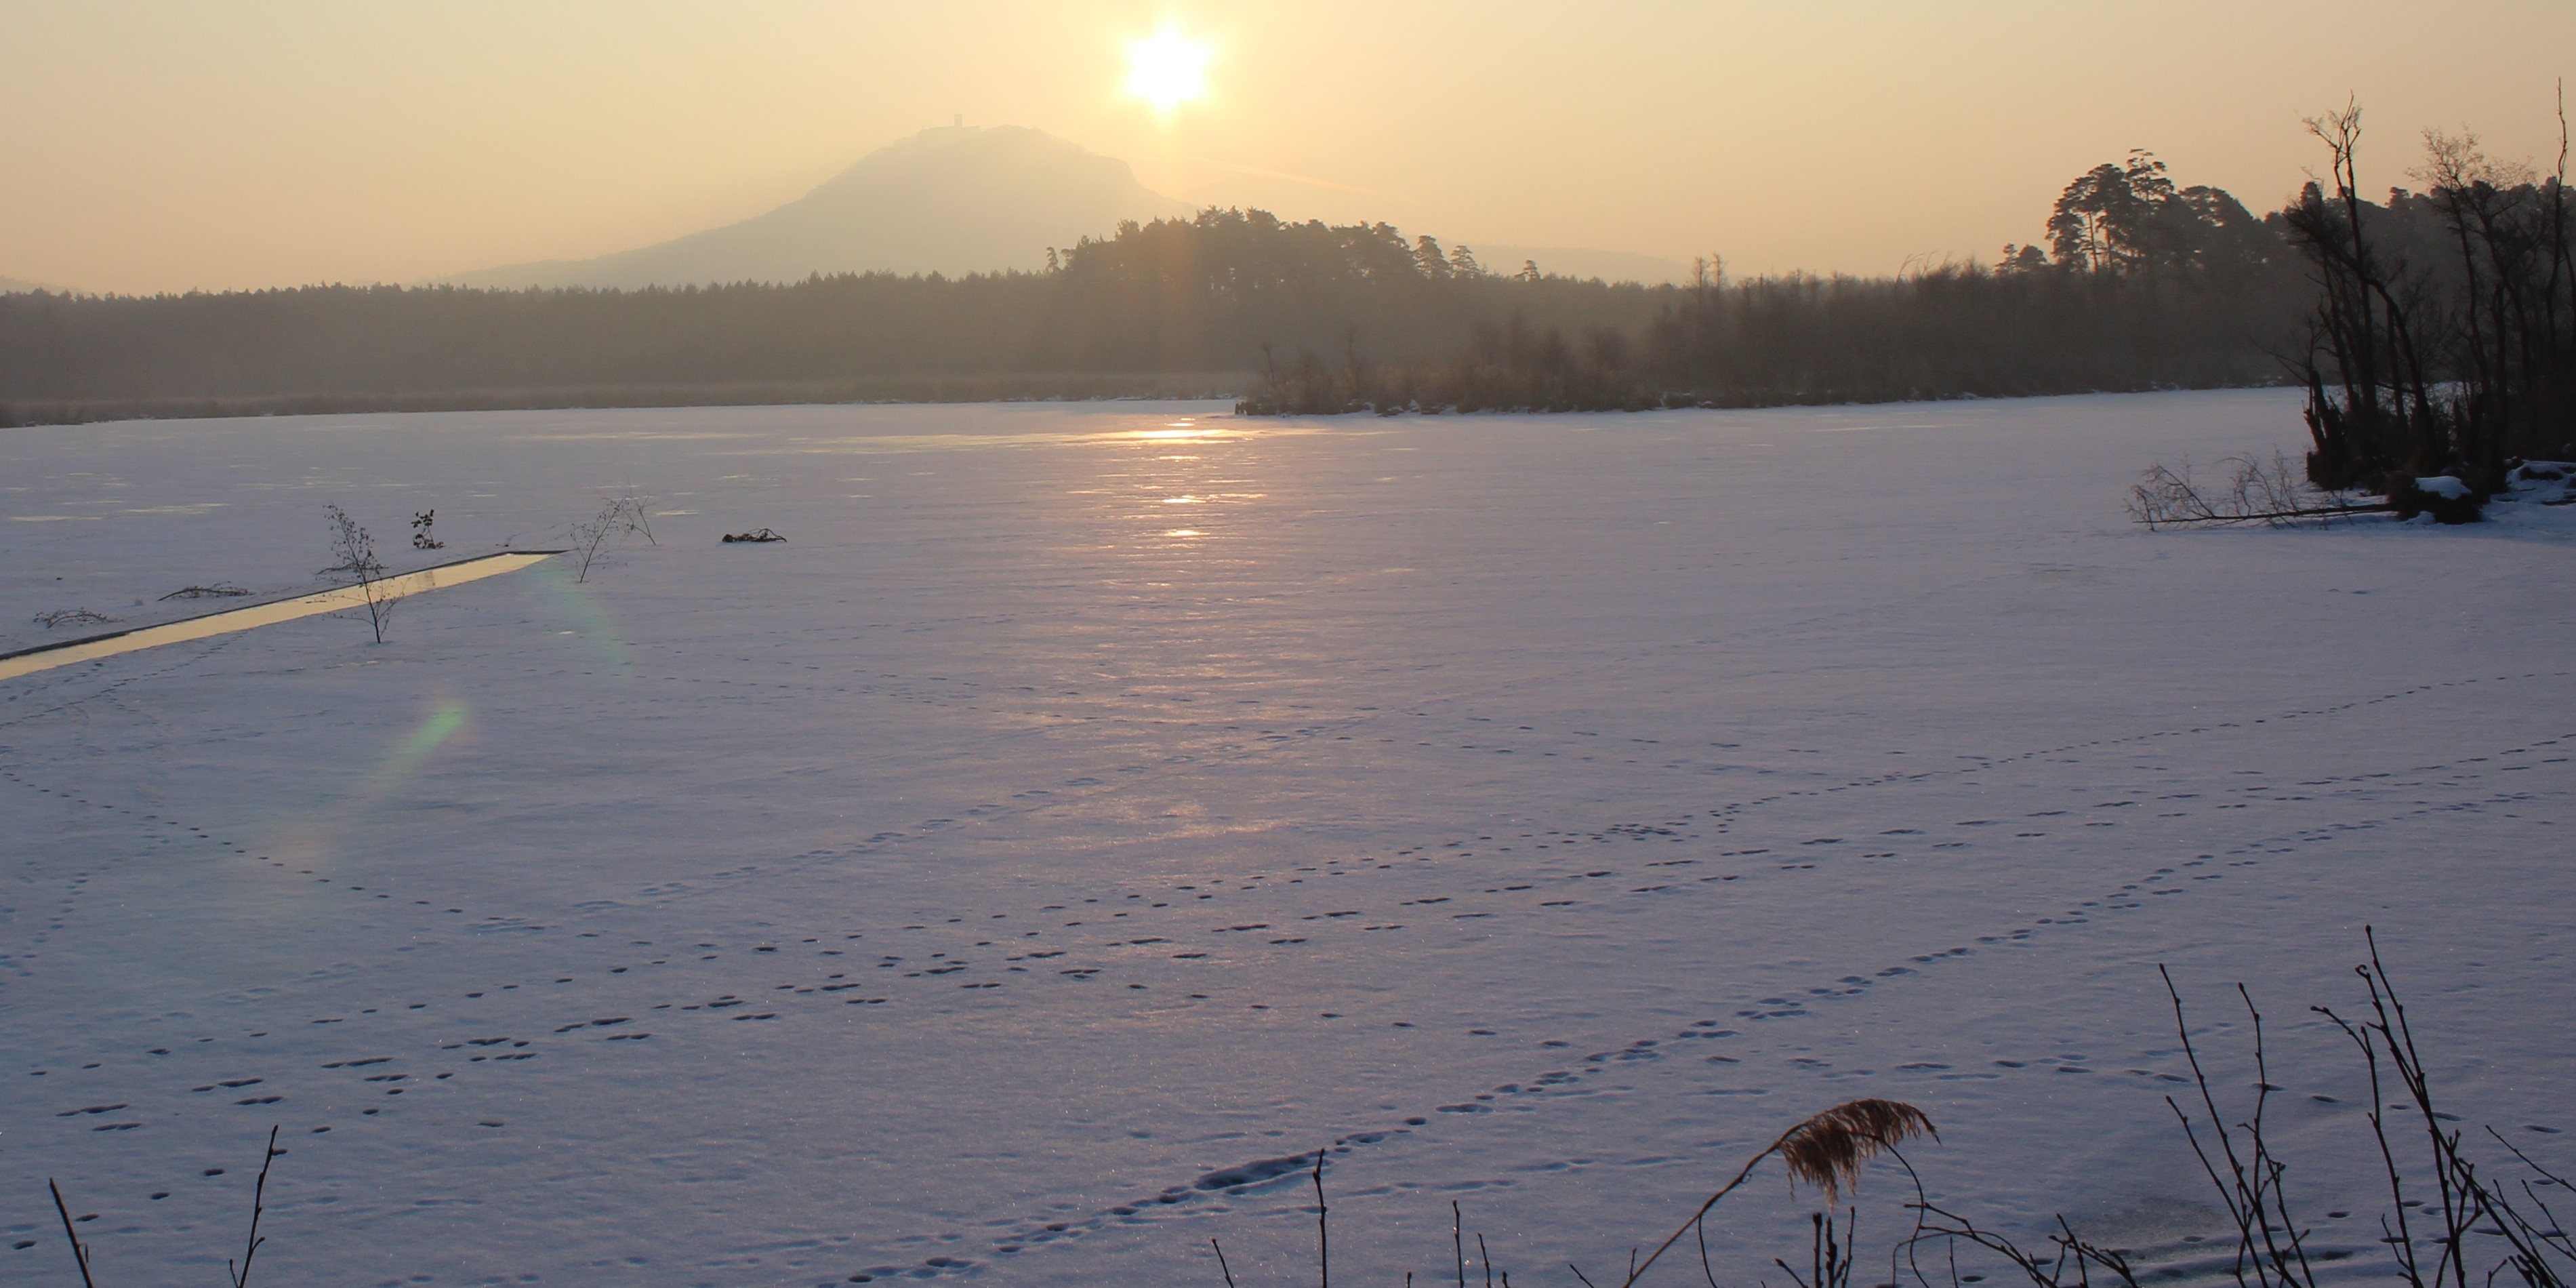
(1088,806)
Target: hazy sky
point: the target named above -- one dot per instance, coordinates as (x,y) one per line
(153,146)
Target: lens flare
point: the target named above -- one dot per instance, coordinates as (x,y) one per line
(316,838)
(580,606)
(402,763)
(446,720)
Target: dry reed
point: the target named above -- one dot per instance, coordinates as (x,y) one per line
(1826,1151)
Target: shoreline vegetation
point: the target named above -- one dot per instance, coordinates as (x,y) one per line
(2450,357)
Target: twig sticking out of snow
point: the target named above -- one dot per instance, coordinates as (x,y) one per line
(2069,1264)
(80,1253)
(1323,1232)
(258,1205)
(1458,1239)
(237,1273)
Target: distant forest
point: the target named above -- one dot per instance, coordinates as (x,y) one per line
(2138,283)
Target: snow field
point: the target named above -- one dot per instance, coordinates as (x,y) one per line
(1088,805)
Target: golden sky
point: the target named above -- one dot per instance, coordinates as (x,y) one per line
(167,146)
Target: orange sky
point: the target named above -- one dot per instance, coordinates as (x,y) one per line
(165,146)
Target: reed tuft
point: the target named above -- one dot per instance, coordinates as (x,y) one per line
(1827,1151)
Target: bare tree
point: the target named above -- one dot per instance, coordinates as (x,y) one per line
(356,551)
(2358,437)
(2415,372)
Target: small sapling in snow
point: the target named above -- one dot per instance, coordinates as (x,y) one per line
(618,519)
(355,550)
(422,536)
(240,1275)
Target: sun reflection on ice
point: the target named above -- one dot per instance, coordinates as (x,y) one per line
(1178,431)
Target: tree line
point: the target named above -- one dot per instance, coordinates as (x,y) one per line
(2141,283)
(1172,306)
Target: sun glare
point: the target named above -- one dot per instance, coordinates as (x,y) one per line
(1168,70)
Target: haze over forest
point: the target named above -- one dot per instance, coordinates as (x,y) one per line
(287,143)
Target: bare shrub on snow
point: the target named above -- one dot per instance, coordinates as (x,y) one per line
(71,617)
(2253,491)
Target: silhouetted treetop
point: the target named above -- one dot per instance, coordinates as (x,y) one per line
(2130,219)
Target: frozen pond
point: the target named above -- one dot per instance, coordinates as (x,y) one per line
(1089,802)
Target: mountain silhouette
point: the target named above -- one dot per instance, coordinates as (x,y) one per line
(953,200)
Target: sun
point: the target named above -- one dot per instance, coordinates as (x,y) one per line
(1168,70)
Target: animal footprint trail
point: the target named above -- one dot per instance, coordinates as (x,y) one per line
(1785,1007)
(1485,848)
(1639,831)
(1644,830)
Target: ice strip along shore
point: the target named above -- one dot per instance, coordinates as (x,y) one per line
(48,656)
